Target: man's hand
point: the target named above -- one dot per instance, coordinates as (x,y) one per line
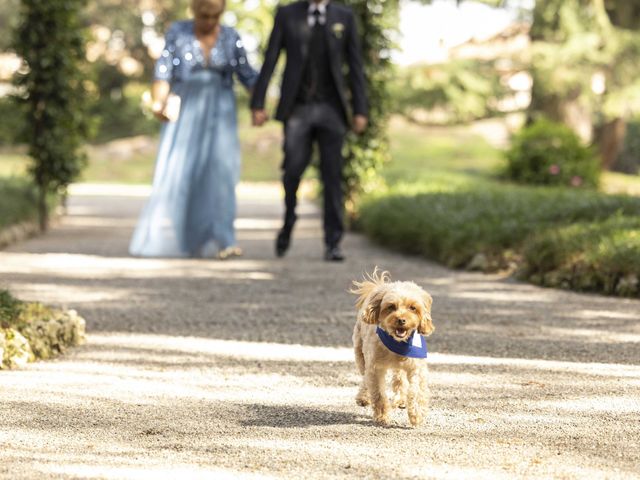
(360,123)
(258,117)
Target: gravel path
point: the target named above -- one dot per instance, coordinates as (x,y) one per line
(243,369)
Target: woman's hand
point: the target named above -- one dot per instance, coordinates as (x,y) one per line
(159,94)
(158,109)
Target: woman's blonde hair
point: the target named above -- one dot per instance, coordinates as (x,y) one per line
(196,4)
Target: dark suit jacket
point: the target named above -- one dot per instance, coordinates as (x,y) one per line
(291,32)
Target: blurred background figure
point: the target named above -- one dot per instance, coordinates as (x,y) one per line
(320,38)
(192,207)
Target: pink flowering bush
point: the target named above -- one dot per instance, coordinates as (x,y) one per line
(548,153)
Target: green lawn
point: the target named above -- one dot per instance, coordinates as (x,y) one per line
(419,152)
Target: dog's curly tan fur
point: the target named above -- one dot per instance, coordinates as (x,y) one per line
(400,308)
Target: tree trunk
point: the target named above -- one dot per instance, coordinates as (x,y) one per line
(610,138)
(43,209)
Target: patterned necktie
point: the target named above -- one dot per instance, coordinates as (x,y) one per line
(316,17)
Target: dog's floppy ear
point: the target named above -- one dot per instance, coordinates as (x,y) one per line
(426,323)
(371,310)
(370,293)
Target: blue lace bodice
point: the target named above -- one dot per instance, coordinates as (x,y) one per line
(182,53)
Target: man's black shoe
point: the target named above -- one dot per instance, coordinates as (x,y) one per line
(282,242)
(333,254)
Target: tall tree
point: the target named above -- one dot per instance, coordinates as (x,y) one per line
(50,40)
(585,69)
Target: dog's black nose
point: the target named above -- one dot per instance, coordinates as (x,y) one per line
(402,321)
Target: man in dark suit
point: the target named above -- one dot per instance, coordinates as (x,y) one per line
(319,38)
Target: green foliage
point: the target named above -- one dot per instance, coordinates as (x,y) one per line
(574,41)
(50,40)
(549,153)
(628,160)
(30,331)
(367,153)
(14,348)
(12,121)
(18,201)
(463,90)
(601,256)
(10,308)
(116,109)
(454,218)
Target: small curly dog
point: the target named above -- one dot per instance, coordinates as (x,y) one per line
(393,318)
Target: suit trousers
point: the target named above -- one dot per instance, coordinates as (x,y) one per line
(324,124)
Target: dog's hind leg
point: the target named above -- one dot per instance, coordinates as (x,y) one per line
(362,398)
(399,386)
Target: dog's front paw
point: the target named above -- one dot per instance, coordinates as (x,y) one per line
(416,418)
(362,398)
(382,420)
(381,414)
(399,402)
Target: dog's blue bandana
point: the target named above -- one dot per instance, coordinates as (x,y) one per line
(414,347)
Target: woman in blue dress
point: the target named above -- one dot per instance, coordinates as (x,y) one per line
(192,206)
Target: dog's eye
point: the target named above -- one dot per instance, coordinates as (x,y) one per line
(413,308)
(391,308)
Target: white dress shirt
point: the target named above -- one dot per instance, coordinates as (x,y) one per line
(322,8)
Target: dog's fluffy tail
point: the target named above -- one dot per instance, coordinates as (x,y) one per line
(370,282)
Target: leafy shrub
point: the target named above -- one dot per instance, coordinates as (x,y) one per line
(115,107)
(12,121)
(549,153)
(601,256)
(452,224)
(455,221)
(50,39)
(19,201)
(10,308)
(30,331)
(365,154)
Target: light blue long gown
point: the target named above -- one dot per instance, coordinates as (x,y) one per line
(192,206)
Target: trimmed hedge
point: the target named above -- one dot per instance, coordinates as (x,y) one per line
(31,331)
(601,256)
(490,226)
